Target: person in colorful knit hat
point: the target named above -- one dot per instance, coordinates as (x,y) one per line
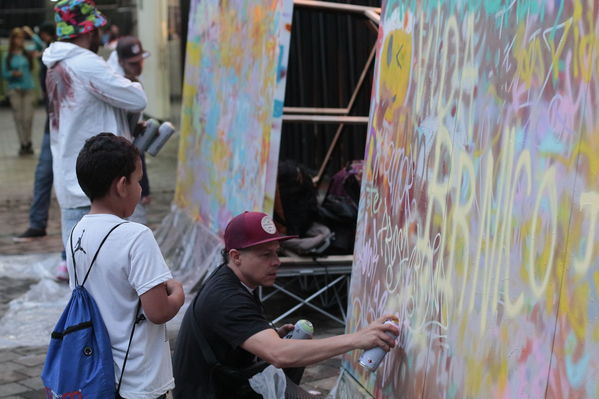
(85,97)
(77,17)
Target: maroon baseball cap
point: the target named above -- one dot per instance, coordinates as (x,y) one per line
(251,228)
(129,48)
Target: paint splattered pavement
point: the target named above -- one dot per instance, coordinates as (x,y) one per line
(20,366)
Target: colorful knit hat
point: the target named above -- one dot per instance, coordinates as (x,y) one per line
(76,17)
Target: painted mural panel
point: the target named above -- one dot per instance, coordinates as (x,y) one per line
(233,86)
(480,197)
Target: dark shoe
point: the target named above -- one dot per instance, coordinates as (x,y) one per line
(30,234)
(26,149)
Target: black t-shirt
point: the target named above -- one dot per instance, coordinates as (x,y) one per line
(227,314)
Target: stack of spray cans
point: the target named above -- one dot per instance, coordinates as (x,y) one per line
(153,138)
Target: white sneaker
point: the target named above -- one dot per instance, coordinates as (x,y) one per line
(62,274)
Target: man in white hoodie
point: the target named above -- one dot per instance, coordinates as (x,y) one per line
(85,97)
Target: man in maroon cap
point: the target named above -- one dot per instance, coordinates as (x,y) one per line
(224,331)
(128,58)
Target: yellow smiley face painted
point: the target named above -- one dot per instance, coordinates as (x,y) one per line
(395,64)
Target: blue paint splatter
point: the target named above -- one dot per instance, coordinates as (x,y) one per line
(278,109)
(551,144)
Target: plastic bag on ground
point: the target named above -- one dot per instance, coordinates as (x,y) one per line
(270,383)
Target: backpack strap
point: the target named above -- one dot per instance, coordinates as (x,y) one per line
(95,255)
(73,253)
(138,319)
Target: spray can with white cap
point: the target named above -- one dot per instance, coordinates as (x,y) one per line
(372,358)
(165,131)
(303,330)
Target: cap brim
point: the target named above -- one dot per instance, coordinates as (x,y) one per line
(137,58)
(278,238)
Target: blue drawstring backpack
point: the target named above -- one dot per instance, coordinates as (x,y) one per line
(79,363)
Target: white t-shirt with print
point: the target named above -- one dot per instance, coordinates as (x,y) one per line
(128,265)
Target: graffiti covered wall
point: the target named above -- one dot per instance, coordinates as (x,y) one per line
(234,86)
(231,107)
(480,197)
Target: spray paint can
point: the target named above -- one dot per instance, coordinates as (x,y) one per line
(165,131)
(303,330)
(142,142)
(372,358)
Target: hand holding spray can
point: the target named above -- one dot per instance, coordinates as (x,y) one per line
(372,358)
(303,330)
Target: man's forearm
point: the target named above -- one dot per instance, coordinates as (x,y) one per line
(299,353)
(284,353)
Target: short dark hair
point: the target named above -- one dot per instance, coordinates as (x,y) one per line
(224,257)
(48,27)
(224,253)
(104,158)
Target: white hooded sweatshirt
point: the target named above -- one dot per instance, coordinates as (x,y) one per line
(86,97)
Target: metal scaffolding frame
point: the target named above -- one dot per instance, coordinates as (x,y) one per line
(327,274)
(335,115)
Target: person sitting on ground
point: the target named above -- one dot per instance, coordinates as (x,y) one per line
(229,316)
(129,269)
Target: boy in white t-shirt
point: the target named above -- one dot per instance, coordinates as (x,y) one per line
(129,267)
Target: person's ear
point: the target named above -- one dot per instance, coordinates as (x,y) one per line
(121,186)
(234,256)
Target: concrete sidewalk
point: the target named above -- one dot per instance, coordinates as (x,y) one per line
(20,367)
